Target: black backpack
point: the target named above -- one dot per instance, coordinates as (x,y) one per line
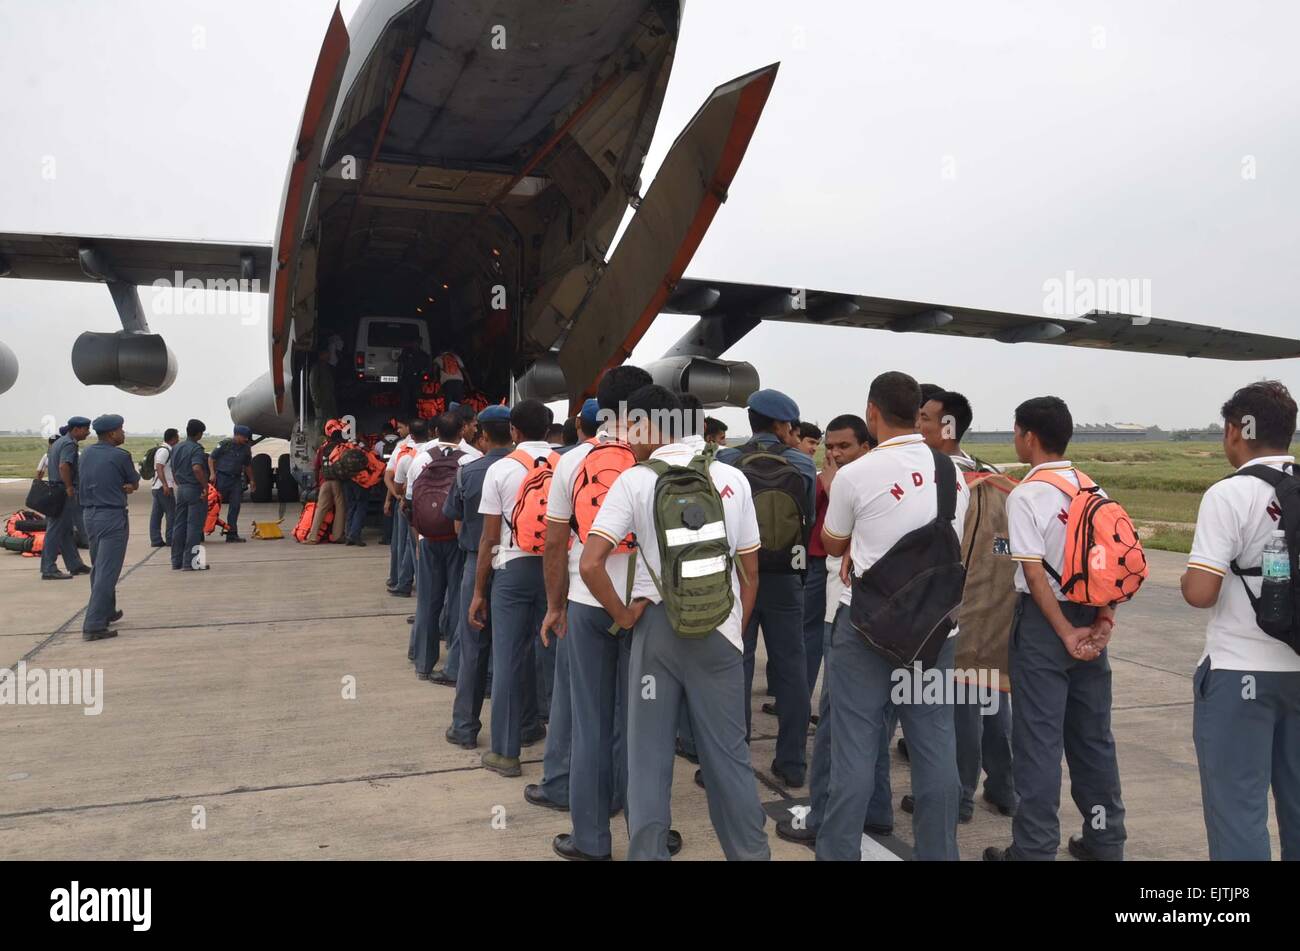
(146,464)
(781,505)
(905,605)
(1287,487)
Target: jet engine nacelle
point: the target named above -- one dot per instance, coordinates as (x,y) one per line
(254,407)
(8,368)
(715,382)
(135,362)
(544,381)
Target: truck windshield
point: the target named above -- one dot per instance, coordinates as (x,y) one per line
(392,334)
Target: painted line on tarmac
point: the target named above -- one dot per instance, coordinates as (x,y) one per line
(62,628)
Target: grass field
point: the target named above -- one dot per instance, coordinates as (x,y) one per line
(1159,483)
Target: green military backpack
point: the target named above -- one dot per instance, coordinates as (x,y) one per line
(694,554)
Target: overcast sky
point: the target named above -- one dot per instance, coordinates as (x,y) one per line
(952,152)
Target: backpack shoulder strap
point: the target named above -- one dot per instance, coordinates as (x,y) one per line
(522,458)
(1055,479)
(945,482)
(1273,477)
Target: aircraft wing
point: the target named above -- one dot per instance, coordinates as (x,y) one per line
(746,304)
(138,261)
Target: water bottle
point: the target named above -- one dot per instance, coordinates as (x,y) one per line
(1275,594)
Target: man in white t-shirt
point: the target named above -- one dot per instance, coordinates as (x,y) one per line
(1246,692)
(592,664)
(1058,662)
(518,599)
(164,492)
(875,501)
(401,549)
(438,561)
(664,667)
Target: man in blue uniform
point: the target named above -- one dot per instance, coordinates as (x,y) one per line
(779,606)
(59,538)
(108,476)
(475,643)
(190,469)
(227,466)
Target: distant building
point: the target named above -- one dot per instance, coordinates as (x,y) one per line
(1083,432)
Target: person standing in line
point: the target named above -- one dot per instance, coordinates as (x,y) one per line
(60,529)
(190,470)
(164,492)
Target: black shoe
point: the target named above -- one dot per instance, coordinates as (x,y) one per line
(421,675)
(785,830)
(358,543)
(399,593)
(81,570)
(699,778)
(347,541)
(994,854)
(56,576)
(1080,850)
(115,616)
(789,780)
(877,830)
(159,545)
(565,849)
(455,740)
(769,709)
(410,619)
(235,538)
(689,757)
(534,796)
(902,749)
(440,678)
(1002,810)
(674,841)
(99,635)
(814,719)
(533,737)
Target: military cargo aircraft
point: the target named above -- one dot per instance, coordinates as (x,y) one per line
(460,173)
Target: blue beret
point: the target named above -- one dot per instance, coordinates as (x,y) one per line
(75,421)
(774,405)
(244,431)
(590,411)
(495,414)
(107,423)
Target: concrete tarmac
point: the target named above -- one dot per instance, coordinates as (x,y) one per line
(266,709)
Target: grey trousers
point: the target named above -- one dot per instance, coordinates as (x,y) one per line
(59,540)
(862,681)
(598,671)
(709,671)
(475,656)
(779,611)
(1061,704)
(231,488)
(518,607)
(814,619)
(187,536)
(436,566)
(108,530)
(1247,735)
(984,740)
(559,731)
(880,809)
(163,505)
(401,563)
(454,607)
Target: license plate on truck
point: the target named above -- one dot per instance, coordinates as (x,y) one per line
(388,379)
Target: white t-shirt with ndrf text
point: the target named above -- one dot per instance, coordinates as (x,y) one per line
(882,495)
(1236,519)
(629,507)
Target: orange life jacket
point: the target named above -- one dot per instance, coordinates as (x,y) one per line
(528,519)
(304,523)
(372,474)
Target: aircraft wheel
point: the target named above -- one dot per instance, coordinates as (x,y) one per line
(286,487)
